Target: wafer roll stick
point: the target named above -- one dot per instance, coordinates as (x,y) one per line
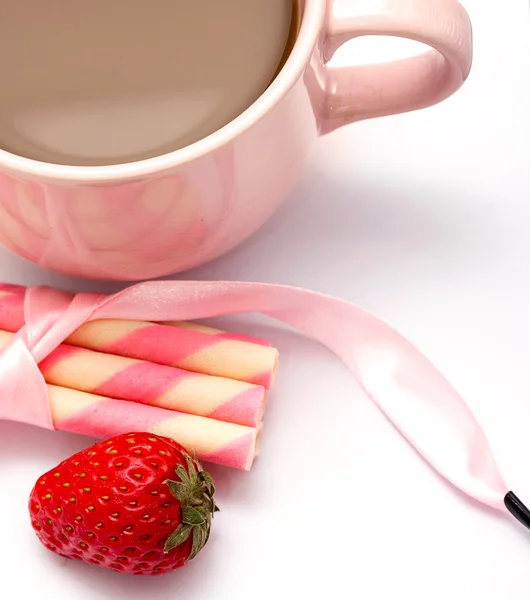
(148,383)
(191,347)
(100,417)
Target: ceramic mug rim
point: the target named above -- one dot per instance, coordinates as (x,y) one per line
(313,12)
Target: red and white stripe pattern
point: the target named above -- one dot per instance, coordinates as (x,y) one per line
(187,346)
(155,385)
(212,441)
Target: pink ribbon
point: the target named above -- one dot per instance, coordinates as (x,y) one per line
(412,393)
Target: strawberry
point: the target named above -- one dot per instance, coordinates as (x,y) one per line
(138,503)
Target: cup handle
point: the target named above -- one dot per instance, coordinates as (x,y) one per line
(362,92)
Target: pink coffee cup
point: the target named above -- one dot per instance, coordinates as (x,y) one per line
(166,214)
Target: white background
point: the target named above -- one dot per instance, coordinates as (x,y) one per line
(423,219)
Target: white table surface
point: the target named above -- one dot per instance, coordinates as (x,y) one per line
(422,219)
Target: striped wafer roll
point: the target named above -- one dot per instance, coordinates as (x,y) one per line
(191,347)
(147,383)
(100,417)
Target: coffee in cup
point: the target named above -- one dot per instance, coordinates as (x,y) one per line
(113,81)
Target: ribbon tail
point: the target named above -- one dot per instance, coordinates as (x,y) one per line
(412,393)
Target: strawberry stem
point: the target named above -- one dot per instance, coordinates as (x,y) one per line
(195,491)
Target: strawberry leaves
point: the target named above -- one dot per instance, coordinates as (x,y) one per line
(178,537)
(192,516)
(195,491)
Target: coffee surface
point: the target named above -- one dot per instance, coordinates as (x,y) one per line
(99,82)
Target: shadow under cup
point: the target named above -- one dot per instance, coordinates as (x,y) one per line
(100,83)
